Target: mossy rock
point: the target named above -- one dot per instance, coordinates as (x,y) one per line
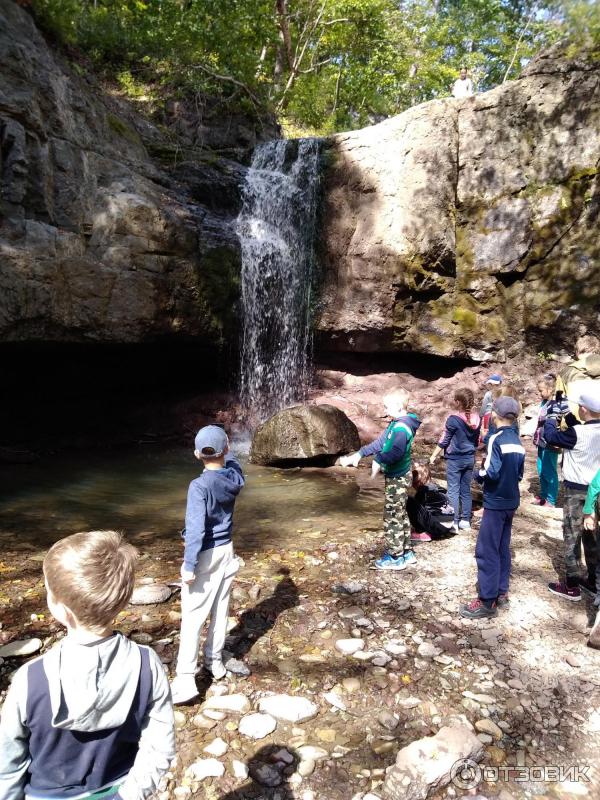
(122,129)
(465,319)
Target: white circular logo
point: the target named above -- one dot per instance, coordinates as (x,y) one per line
(466,773)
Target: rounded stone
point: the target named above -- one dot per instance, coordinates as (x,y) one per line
(289,707)
(257,726)
(20,647)
(150,595)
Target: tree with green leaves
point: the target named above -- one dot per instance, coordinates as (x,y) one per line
(320,65)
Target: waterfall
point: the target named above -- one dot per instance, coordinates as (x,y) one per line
(276,228)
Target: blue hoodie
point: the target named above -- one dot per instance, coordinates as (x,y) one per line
(461,436)
(502,470)
(209,512)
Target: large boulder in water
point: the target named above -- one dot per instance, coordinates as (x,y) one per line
(304,435)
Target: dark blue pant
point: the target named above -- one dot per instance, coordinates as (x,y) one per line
(492,553)
(459,472)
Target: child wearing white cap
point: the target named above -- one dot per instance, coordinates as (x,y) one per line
(209,564)
(581,445)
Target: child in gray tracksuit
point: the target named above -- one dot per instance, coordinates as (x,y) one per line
(209,563)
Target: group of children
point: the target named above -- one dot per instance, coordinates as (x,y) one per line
(495,431)
(93,717)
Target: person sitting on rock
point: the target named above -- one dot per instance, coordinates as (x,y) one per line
(429,511)
(392,455)
(209,564)
(463,86)
(581,462)
(93,716)
(500,475)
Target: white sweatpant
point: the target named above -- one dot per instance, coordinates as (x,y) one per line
(208,594)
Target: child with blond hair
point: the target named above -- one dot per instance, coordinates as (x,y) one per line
(392,455)
(93,716)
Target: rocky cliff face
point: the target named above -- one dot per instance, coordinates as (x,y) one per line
(468,228)
(110,229)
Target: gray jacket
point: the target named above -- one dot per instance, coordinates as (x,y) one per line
(90,688)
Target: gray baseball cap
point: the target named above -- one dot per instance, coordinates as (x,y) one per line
(506,407)
(211,441)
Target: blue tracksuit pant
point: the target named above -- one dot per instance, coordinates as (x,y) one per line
(492,553)
(459,473)
(547,467)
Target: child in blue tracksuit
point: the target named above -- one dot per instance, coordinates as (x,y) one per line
(209,564)
(392,455)
(500,476)
(459,442)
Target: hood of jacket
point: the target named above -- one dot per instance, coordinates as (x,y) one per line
(92,686)
(472,423)
(224,484)
(411,421)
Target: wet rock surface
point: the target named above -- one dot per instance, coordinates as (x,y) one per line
(304,434)
(341,721)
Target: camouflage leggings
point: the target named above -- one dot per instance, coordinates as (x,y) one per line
(574,535)
(396,525)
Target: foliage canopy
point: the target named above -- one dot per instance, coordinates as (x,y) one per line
(321,65)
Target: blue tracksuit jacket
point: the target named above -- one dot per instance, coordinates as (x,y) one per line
(502,470)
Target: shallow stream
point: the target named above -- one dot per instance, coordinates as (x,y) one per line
(142,492)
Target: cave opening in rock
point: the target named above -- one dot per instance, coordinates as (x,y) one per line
(96,395)
(420,365)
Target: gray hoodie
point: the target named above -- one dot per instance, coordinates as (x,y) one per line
(90,688)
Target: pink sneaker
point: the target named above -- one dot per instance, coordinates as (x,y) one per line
(537,501)
(548,504)
(419,537)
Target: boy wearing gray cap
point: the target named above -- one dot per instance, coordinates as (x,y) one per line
(209,563)
(500,475)
(581,461)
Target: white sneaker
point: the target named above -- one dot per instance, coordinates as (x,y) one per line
(464,525)
(216,669)
(183,689)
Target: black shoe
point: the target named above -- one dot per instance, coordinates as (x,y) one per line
(477,609)
(588,586)
(503,600)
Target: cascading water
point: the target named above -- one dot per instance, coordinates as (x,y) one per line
(276,229)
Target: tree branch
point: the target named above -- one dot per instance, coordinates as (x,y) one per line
(314,67)
(335,21)
(520,39)
(228,79)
